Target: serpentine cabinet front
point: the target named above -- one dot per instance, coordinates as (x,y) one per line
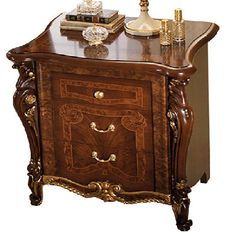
(117,128)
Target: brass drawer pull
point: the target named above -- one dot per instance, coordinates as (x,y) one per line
(111,128)
(99,94)
(111,158)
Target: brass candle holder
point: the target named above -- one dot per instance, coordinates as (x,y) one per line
(144,25)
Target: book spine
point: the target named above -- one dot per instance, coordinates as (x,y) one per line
(88,18)
(99,18)
(71,17)
(107,20)
(112,25)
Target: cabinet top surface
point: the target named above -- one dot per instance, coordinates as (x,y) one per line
(120,46)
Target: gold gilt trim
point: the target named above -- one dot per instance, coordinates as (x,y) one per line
(107,192)
(30,117)
(30,99)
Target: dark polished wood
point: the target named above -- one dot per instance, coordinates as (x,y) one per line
(125,121)
(25,103)
(197,91)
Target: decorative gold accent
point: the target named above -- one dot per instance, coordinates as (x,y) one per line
(30,113)
(144,5)
(111,128)
(178,26)
(30,99)
(178,14)
(111,158)
(165,24)
(31,75)
(165,33)
(144,25)
(30,118)
(108,192)
(105,190)
(173,125)
(99,95)
(35,170)
(181,185)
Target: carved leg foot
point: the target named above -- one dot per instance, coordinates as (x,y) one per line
(181,215)
(180,206)
(185,226)
(35,200)
(205,178)
(36,197)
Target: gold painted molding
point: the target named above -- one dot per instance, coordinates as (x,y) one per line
(107,192)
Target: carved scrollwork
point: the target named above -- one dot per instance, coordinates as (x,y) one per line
(30,117)
(181,204)
(107,191)
(25,103)
(180,116)
(173,126)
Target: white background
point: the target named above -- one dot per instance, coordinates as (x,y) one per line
(64,213)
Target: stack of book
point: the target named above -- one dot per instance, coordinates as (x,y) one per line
(109,19)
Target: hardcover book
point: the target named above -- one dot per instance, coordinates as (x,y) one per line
(112,27)
(81,28)
(105,17)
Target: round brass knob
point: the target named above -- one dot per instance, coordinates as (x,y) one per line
(31,74)
(99,95)
(113,157)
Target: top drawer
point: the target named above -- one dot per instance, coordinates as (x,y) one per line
(102,91)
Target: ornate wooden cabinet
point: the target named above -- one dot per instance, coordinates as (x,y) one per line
(126,121)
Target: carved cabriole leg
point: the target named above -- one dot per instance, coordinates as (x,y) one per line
(25,103)
(181,122)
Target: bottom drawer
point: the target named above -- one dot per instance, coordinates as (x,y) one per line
(84,163)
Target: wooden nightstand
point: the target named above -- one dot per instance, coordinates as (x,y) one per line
(125,121)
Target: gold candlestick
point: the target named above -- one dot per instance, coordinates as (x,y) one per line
(144,25)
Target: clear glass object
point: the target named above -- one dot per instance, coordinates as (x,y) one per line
(95,35)
(89,7)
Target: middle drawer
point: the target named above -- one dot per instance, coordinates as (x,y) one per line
(90,125)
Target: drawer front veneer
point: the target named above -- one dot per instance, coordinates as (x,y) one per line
(69,109)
